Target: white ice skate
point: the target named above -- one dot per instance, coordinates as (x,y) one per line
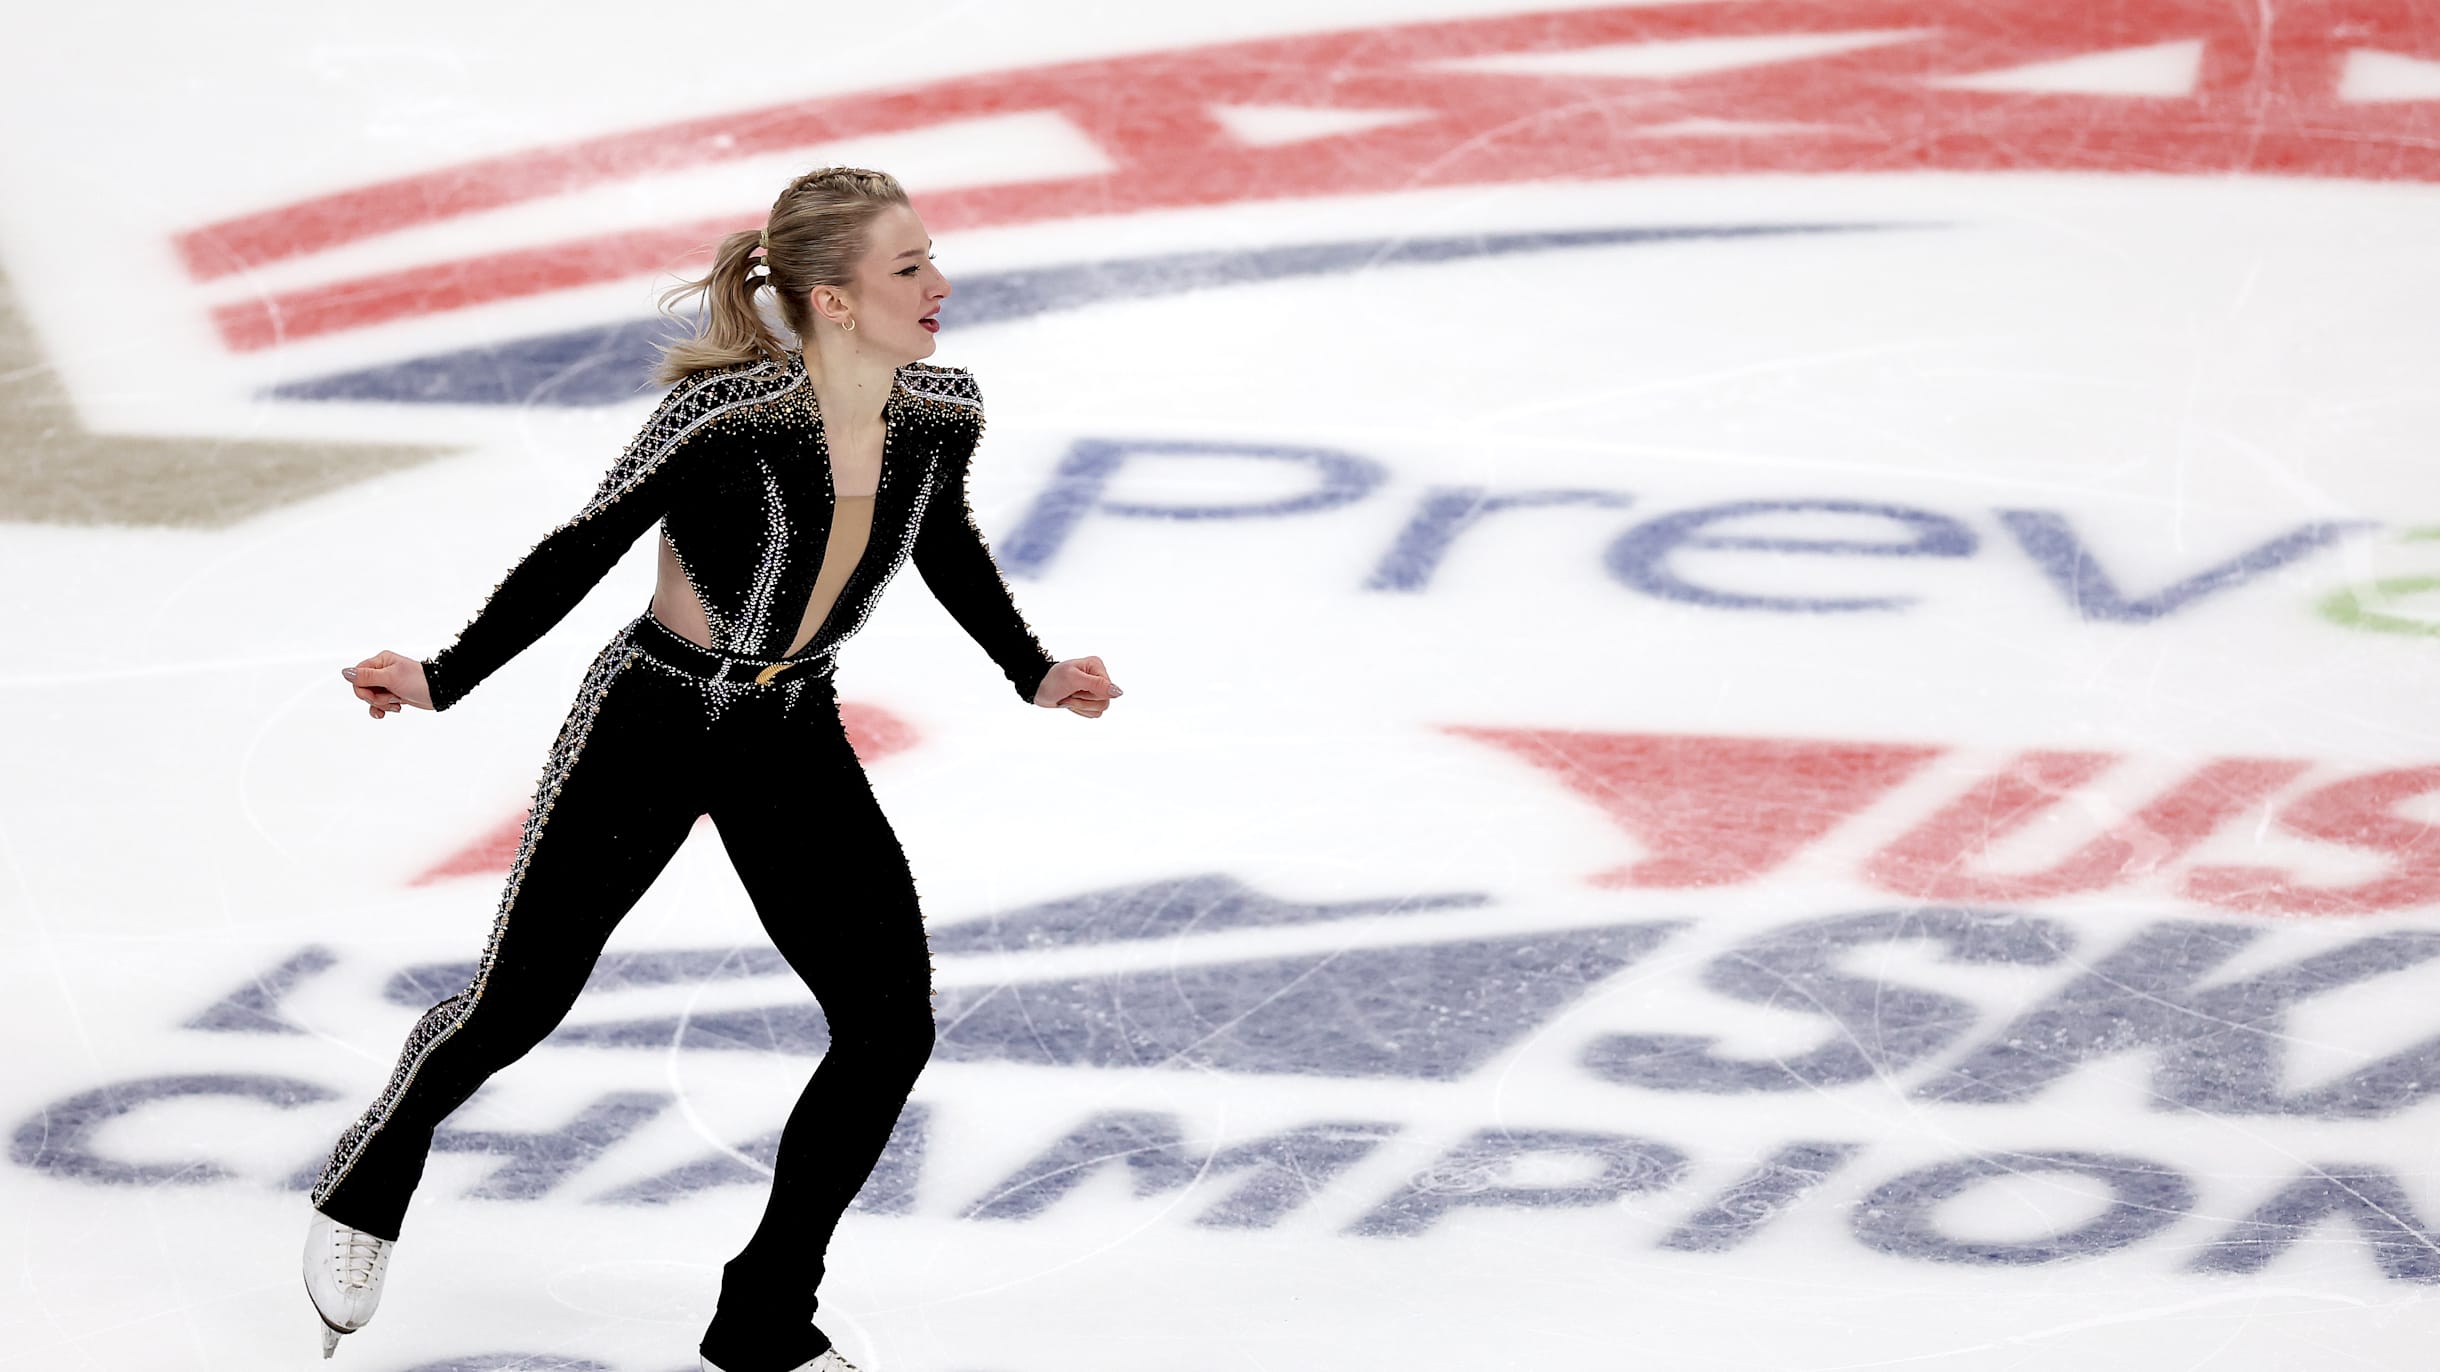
(830,1361)
(343,1272)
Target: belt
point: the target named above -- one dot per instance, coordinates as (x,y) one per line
(668,646)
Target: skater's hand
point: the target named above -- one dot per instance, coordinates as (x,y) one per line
(1077,684)
(386,682)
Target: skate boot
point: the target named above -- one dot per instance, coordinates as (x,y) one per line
(343,1272)
(830,1361)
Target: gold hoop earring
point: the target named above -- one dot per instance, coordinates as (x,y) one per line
(848,327)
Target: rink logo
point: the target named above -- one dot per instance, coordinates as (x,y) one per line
(1717,811)
(1708,87)
(2041,825)
(2203,1012)
(1755,556)
(1364,1002)
(1263,1182)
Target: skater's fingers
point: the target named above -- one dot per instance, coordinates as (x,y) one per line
(1098,675)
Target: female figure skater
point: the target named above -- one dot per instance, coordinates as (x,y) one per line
(789,485)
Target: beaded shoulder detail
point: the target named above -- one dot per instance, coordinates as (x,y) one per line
(944,390)
(697,400)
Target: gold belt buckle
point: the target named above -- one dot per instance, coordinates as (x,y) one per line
(763,677)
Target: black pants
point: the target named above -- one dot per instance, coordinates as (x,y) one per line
(663,732)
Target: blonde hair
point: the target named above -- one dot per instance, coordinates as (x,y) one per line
(814,237)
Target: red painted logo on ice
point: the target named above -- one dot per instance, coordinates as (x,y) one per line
(2326,88)
(1711,811)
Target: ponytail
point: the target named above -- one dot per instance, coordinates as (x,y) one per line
(732,327)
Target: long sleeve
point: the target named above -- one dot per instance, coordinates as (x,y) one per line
(547,582)
(955,562)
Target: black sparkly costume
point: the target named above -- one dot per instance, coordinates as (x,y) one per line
(734,465)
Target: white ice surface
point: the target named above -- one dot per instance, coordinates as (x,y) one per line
(2185,368)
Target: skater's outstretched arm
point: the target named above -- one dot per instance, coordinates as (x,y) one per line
(556,572)
(953,559)
(955,562)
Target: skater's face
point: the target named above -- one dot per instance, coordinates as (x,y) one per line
(895,294)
